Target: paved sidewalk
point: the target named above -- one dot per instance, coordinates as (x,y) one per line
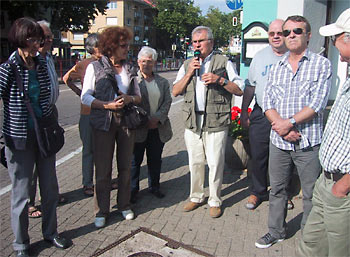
(233,234)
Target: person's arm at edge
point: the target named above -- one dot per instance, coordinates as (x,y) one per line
(180,86)
(248,96)
(69,82)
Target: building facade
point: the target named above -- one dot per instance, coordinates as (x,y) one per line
(133,14)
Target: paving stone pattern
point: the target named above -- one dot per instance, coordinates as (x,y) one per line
(233,234)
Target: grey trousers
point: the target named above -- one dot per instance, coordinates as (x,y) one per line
(280,170)
(327,230)
(85,131)
(20,168)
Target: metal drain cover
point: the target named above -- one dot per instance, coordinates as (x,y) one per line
(145,254)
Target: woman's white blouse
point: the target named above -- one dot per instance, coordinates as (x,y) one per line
(89,85)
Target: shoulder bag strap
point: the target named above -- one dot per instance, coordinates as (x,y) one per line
(23,92)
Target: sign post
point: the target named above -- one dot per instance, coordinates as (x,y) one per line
(234,4)
(173,47)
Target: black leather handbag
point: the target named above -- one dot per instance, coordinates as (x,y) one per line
(131,116)
(134,116)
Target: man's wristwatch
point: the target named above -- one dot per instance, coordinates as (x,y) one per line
(292,120)
(225,82)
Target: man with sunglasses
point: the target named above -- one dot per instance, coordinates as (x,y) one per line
(258,124)
(44,53)
(207,83)
(294,100)
(327,230)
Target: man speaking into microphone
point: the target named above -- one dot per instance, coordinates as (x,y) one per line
(207,82)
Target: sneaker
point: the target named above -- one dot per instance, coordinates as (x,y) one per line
(290,205)
(253,202)
(215,212)
(128,214)
(100,222)
(267,240)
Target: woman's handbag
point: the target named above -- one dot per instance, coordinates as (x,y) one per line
(132,116)
(49,134)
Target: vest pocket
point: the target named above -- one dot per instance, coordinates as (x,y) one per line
(186,115)
(216,120)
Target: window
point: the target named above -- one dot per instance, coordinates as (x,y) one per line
(112,21)
(78,36)
(112,5)
(128,21)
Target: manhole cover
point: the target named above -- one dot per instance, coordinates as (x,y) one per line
(146,243)
(145,254)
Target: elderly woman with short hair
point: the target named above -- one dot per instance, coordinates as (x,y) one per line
(156,101)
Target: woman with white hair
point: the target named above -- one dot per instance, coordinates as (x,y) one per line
(156,101)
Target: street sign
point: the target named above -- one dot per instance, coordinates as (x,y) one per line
(234,4)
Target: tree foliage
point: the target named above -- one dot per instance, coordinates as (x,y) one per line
(63,15)
(177,18)
(221,25)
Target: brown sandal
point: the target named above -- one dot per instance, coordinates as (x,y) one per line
(34,212)
(88,191)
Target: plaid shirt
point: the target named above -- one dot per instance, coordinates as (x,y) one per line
(289,93)
(335,147)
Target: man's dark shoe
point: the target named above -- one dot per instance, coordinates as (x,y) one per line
(22,253)
(267,240)
(59,242)
(157,193)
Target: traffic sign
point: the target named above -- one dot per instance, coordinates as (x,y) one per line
(234,4)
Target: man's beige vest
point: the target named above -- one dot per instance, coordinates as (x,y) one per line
(217,102)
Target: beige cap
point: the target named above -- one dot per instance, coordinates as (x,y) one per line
(341,25)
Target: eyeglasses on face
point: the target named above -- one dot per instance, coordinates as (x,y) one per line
(124,46)
(200,41)
(33,40)
(334,38)
(273,33)
(48,37)
(296,31)
(146,62)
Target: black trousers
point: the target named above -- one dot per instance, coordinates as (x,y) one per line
(154,148)
(259,139)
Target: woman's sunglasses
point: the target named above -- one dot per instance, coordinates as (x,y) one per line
(39,41)
(297,31)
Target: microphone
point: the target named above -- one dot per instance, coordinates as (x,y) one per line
(197,53)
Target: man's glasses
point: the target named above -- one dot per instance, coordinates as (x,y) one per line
(334,38)
(296,31)
(33,40)
(199,41)
(272,33)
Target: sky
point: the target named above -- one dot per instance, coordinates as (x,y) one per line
(204,5)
